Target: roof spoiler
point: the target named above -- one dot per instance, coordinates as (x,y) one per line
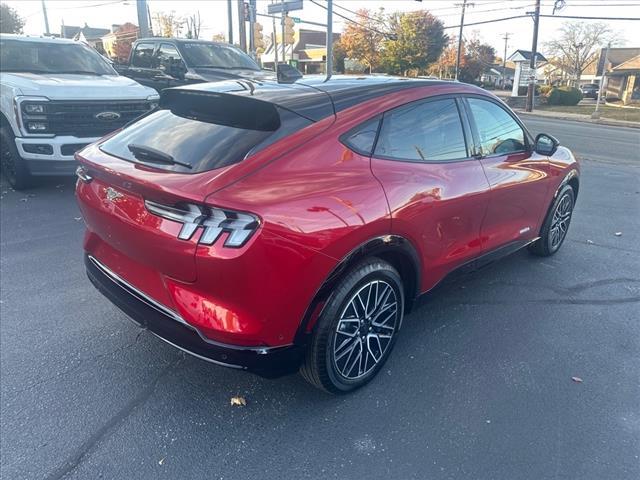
(222,109)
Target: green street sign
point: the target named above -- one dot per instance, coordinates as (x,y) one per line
(296,19)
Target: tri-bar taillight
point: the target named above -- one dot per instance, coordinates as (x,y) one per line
(215,221)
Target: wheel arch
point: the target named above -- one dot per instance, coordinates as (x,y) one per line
(572,179)
(395,249)
(5,122)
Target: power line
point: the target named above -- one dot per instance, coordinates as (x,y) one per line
(354,22)
(590,18)
(546,16)
(87,6)
(359,14)
(488,21)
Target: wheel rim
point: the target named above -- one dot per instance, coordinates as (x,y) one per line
(365,329)
(560,221)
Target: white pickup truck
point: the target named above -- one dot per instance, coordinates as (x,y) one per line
(56,97)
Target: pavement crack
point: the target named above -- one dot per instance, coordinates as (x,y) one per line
(81,362)
(607,247)
(109,426)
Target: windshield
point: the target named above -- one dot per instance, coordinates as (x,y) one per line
(216,55)
(42,57)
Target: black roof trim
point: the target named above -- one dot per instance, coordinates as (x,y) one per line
(347,91)
(314,97)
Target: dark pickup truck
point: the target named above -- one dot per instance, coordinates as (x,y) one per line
(170,62)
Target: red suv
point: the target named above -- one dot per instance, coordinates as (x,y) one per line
(273,227)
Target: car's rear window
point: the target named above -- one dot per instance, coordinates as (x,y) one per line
(195,145)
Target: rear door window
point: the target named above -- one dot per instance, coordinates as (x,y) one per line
(422,131)
(143,56)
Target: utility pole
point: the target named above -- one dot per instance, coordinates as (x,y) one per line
(532,65)
(252,33)
(330,38)
(596,113)
(504,60)
(284,45)
(143,22)
(241,30)
(230,20)
(464,6)
(275,46)
(46,19)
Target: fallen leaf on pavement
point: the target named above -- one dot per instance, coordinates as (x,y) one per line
(239,401)
(576,379)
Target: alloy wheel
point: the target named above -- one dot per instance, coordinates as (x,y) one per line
(560,222)
(365,329)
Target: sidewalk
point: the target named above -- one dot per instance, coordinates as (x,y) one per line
(579,118)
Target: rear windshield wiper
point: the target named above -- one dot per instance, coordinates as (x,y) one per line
(151,155)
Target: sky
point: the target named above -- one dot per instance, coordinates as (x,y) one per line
(103,13)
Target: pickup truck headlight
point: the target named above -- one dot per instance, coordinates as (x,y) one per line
(154,101)
(36,108)
(238,225)
(39,127)
(33,113)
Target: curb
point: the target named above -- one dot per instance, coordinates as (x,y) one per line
(583,119)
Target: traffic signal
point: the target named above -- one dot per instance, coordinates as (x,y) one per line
(246,11)
(258,38)
(288,30)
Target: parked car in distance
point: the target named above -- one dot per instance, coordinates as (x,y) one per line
(169,62)
(293,227)
(590,90)
(57,96)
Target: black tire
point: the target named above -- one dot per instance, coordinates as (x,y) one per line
(549,243)
(13,166)
(322,367)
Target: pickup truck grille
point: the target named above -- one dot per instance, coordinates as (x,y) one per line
(83,119)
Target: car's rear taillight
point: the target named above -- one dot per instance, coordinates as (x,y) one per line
(238,225)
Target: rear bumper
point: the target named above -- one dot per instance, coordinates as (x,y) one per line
(269,362)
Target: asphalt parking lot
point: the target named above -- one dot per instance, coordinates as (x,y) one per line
(479,385)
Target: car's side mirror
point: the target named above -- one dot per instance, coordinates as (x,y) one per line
(177,69)
(546,144)
(287,73)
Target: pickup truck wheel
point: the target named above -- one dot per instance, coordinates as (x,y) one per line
(13,166)
(357,328)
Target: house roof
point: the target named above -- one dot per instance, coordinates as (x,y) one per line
(496,69)
(70,31)
(616,56)
(525,55)
(630,66)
